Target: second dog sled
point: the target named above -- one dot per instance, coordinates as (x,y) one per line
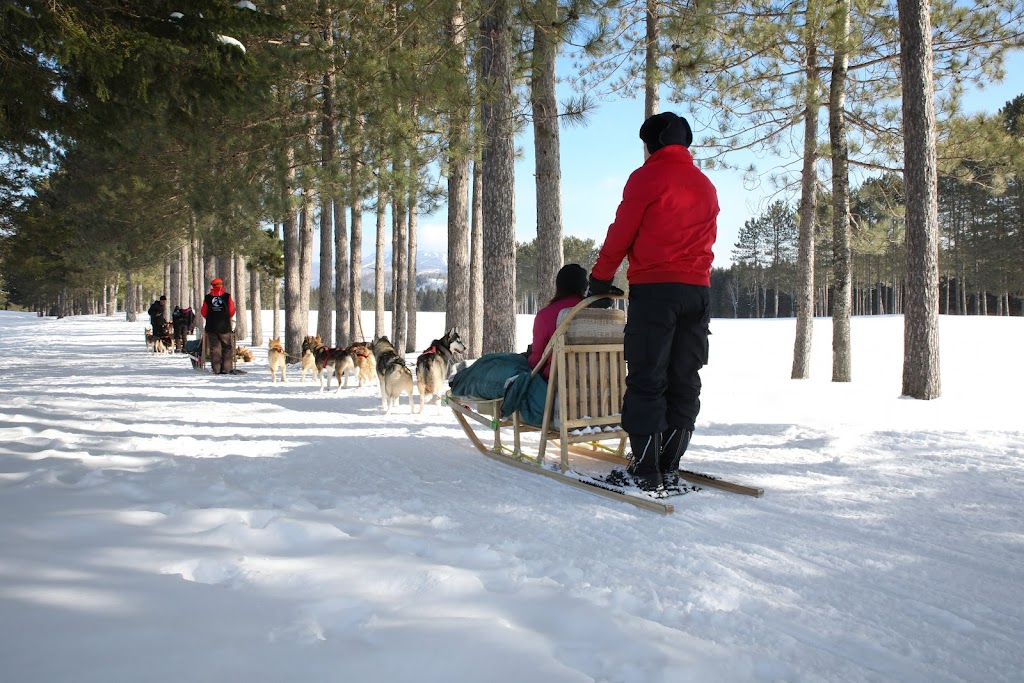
(581,415)
(199,353)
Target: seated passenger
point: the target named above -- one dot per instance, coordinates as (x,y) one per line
(570,288)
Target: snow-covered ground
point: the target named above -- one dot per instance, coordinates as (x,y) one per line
(160,524)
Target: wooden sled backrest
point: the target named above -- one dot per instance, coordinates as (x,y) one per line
(592,368)
(588,369)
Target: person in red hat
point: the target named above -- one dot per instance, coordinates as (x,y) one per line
(218,310)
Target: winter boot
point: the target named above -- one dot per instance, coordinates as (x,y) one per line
(643,464)
(674,443)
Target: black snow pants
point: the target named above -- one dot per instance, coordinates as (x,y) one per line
(666,346)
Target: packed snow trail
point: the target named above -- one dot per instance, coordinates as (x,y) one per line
(163,524)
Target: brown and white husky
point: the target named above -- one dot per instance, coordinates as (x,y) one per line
(277,360)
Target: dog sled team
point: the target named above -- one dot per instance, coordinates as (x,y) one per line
(168,336)
(366,361)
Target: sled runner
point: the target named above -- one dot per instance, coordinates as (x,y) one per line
(581,411)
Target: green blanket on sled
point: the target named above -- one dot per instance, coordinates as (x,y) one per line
(505,376)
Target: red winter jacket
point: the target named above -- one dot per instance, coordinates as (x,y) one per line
(544,326)
(665,224)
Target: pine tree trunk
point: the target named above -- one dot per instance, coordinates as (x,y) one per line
(195,255)
(476,267)
(342,294)
(399,259)
(305,255)
(197,279)
(174,279)
(241,325)
(355,275)
(547,150)
(356,208)
(257,307)
(410,298)
(457,303)
(921,377)
(129,297)
(652,78)
(110,297)
(167,284)
(841,357)
(378,275)
(325,320)
(808,209)
(276,334)
(497,110)
(325,298)
(184,282)
(294,326)
(226,271)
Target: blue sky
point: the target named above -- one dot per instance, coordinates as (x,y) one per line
(598,158)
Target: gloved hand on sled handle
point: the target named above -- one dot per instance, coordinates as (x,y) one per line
(597,287)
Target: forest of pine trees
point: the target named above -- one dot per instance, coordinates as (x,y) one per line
(146,148)
(981,244)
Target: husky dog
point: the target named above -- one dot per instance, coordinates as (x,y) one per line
(365,363)
(308,359)
(434,366)
(277,360)
(394,375)
(160,341)
(167,339)
(334,361)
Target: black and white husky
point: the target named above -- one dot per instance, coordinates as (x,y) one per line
(434,366)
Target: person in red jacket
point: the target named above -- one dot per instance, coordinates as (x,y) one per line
(218,310)
(666,226)
(570,286)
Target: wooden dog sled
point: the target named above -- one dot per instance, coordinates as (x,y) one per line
(581,416)
(199,353)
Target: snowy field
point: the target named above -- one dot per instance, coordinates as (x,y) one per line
(159,524)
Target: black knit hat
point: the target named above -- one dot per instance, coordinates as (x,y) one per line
(571,279)
(665,129)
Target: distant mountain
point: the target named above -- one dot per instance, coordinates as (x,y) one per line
(430,265)
(432,261)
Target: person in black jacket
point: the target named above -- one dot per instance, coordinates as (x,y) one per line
(218,310)
(184,321)
(158,315)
